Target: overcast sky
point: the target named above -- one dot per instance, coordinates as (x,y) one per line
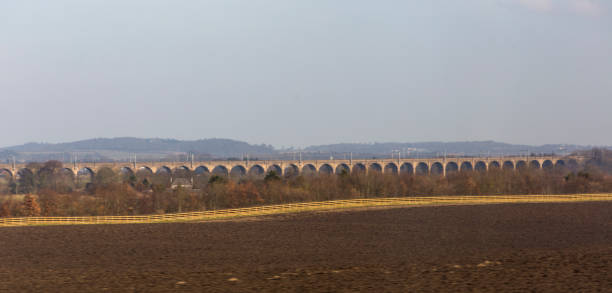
(296,73)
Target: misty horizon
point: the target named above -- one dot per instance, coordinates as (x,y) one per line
(285,147)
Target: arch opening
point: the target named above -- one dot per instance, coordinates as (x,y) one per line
(343,169)
(144,170)
(422,169)
(375,168)
(291,171)
(163,170)
(521,165)
(67,172)
(480,166)
(494,165)
(237,171)
(6,174)
(391,168)
(547,165)
(508,165)
(276,169)
(466,167)
(437,169)
(560,164)
(452,167)
(326,169)
(309,170)
(25,179)
(201,175)
(406,168)
(534,164)
(126,171)
(85,172)
(359,168)
(220,171)
(256,171)
(201,170)
(182,172)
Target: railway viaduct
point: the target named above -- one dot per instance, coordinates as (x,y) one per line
(440,166)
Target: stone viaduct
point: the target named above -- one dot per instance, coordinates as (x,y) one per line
(440,166)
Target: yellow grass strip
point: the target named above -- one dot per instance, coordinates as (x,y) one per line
(301,207)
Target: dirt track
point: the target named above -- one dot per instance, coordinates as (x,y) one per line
(545,247)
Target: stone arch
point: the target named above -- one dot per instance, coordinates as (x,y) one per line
(309,170)
(25,172)
(291,170)
(163,170)
(534,164)
(182,172)
(391,168)
(277,169)
(437,169)
(6,173)
(572,164)
(145,170)
(480,166)
(560,164)
(220,171)
(25,177)
(521,165)
(508,165)
(407,168)
(359,168)
(547,165)
(182,168)
(125,171)
(494,165)
(451,167)
(375,167)
(421,169)
(256,171)
(86,171)
(341,168)
(67,172)
(201,175)
(238,171)
(466,167)
(326,169)
(201,170)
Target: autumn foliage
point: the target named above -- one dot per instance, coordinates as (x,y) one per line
(109,193)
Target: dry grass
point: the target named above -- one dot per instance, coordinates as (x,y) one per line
(302,207)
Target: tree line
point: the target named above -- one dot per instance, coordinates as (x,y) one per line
(50,191)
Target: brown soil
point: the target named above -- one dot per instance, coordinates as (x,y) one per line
(488,248)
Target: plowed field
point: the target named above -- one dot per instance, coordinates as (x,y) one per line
(564,247)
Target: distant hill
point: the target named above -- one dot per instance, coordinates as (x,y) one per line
(468,148)
(125,148)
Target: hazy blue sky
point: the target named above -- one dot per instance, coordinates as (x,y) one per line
(295,73)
